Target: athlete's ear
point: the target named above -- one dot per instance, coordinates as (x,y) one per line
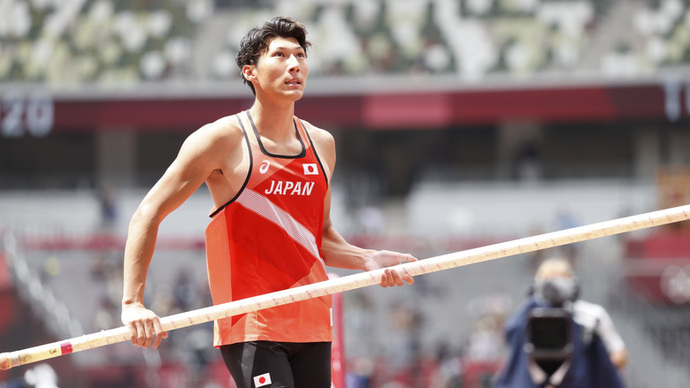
(249,72)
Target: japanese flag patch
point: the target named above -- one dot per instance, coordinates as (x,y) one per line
(262,380)
(310,169)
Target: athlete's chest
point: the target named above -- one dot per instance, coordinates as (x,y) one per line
(288,177)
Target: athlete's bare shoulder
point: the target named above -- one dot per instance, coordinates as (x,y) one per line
(318,135)
(222,135)
(225,131)
(208,148)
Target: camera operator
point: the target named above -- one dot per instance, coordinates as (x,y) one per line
(558,340)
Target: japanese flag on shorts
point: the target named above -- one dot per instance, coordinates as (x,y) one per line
(262,380)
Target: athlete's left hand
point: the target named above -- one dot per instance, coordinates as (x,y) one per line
(391,276)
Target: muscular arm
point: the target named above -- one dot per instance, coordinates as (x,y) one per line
(336,251)
(194,163)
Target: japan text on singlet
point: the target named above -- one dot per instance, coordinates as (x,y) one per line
(268,239)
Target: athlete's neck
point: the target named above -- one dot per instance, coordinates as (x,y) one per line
(274,121)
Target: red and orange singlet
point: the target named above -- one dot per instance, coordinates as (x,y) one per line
(268,239)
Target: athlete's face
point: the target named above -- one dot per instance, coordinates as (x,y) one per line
(281,70)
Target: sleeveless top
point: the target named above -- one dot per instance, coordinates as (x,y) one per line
(267,239)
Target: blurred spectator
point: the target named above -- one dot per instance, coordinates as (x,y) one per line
(586,314)
(529,164)
(199,355)
(360,319)
(108,204)
(558,340)
(102,266)
(485,342)
(406,321)
(185,291)
(359,375)
(106,315)
(41,376)
(449,373)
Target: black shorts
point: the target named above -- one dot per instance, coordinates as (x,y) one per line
(259,364)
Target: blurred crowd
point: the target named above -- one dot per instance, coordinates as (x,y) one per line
(124,42)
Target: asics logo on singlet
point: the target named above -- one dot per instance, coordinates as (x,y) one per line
(290,188)
(264,166)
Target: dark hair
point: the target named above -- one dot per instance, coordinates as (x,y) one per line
(257,40)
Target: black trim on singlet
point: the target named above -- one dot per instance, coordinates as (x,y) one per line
(316,154)
(249,173)
(302,154)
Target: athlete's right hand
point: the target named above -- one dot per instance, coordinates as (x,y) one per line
(144,325)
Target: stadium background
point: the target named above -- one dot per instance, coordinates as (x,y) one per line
(458,124)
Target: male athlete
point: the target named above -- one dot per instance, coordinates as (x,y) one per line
(269,175)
